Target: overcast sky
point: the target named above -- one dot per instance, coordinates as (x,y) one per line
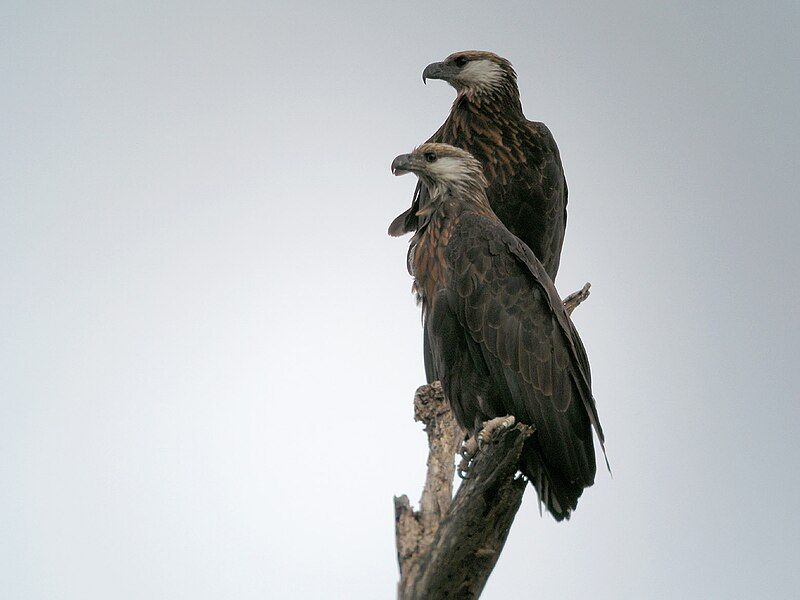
(208,344)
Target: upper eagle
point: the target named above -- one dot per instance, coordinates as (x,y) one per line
(500,340)
(527,189)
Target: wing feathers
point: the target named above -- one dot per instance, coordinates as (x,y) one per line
(507,306)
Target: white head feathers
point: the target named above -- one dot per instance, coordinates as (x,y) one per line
(481,75)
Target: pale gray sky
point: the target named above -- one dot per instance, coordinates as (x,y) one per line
(208,344)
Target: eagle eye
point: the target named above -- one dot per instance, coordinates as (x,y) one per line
(430,157)
(461,61)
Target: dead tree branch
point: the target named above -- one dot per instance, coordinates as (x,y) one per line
(575,299)
(448,549)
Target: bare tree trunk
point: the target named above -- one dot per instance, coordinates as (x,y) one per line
(448,549)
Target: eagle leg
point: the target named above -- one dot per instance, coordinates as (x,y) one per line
(492,426)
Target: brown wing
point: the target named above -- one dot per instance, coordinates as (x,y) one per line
(524,356)
(532,199)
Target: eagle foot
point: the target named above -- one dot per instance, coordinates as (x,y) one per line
(492,426)
(472,444)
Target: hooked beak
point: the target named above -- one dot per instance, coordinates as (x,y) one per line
(437,70)
(402,164)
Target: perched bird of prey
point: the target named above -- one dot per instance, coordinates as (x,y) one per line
(500,339)
(527,189)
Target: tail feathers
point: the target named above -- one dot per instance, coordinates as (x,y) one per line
(559,496)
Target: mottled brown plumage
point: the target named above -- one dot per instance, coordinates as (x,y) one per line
(527,189)
(499,338)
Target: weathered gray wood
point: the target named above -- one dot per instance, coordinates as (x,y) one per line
(448,549)
(575,299)
(415,529)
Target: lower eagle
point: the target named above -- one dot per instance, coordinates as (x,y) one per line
(501,341)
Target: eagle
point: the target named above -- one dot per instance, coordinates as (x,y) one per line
(500,340)
(527,189)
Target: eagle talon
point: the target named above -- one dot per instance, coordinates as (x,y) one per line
(464,467)
(469,448)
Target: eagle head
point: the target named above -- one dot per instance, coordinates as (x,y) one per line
(473,72)
(441,166)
